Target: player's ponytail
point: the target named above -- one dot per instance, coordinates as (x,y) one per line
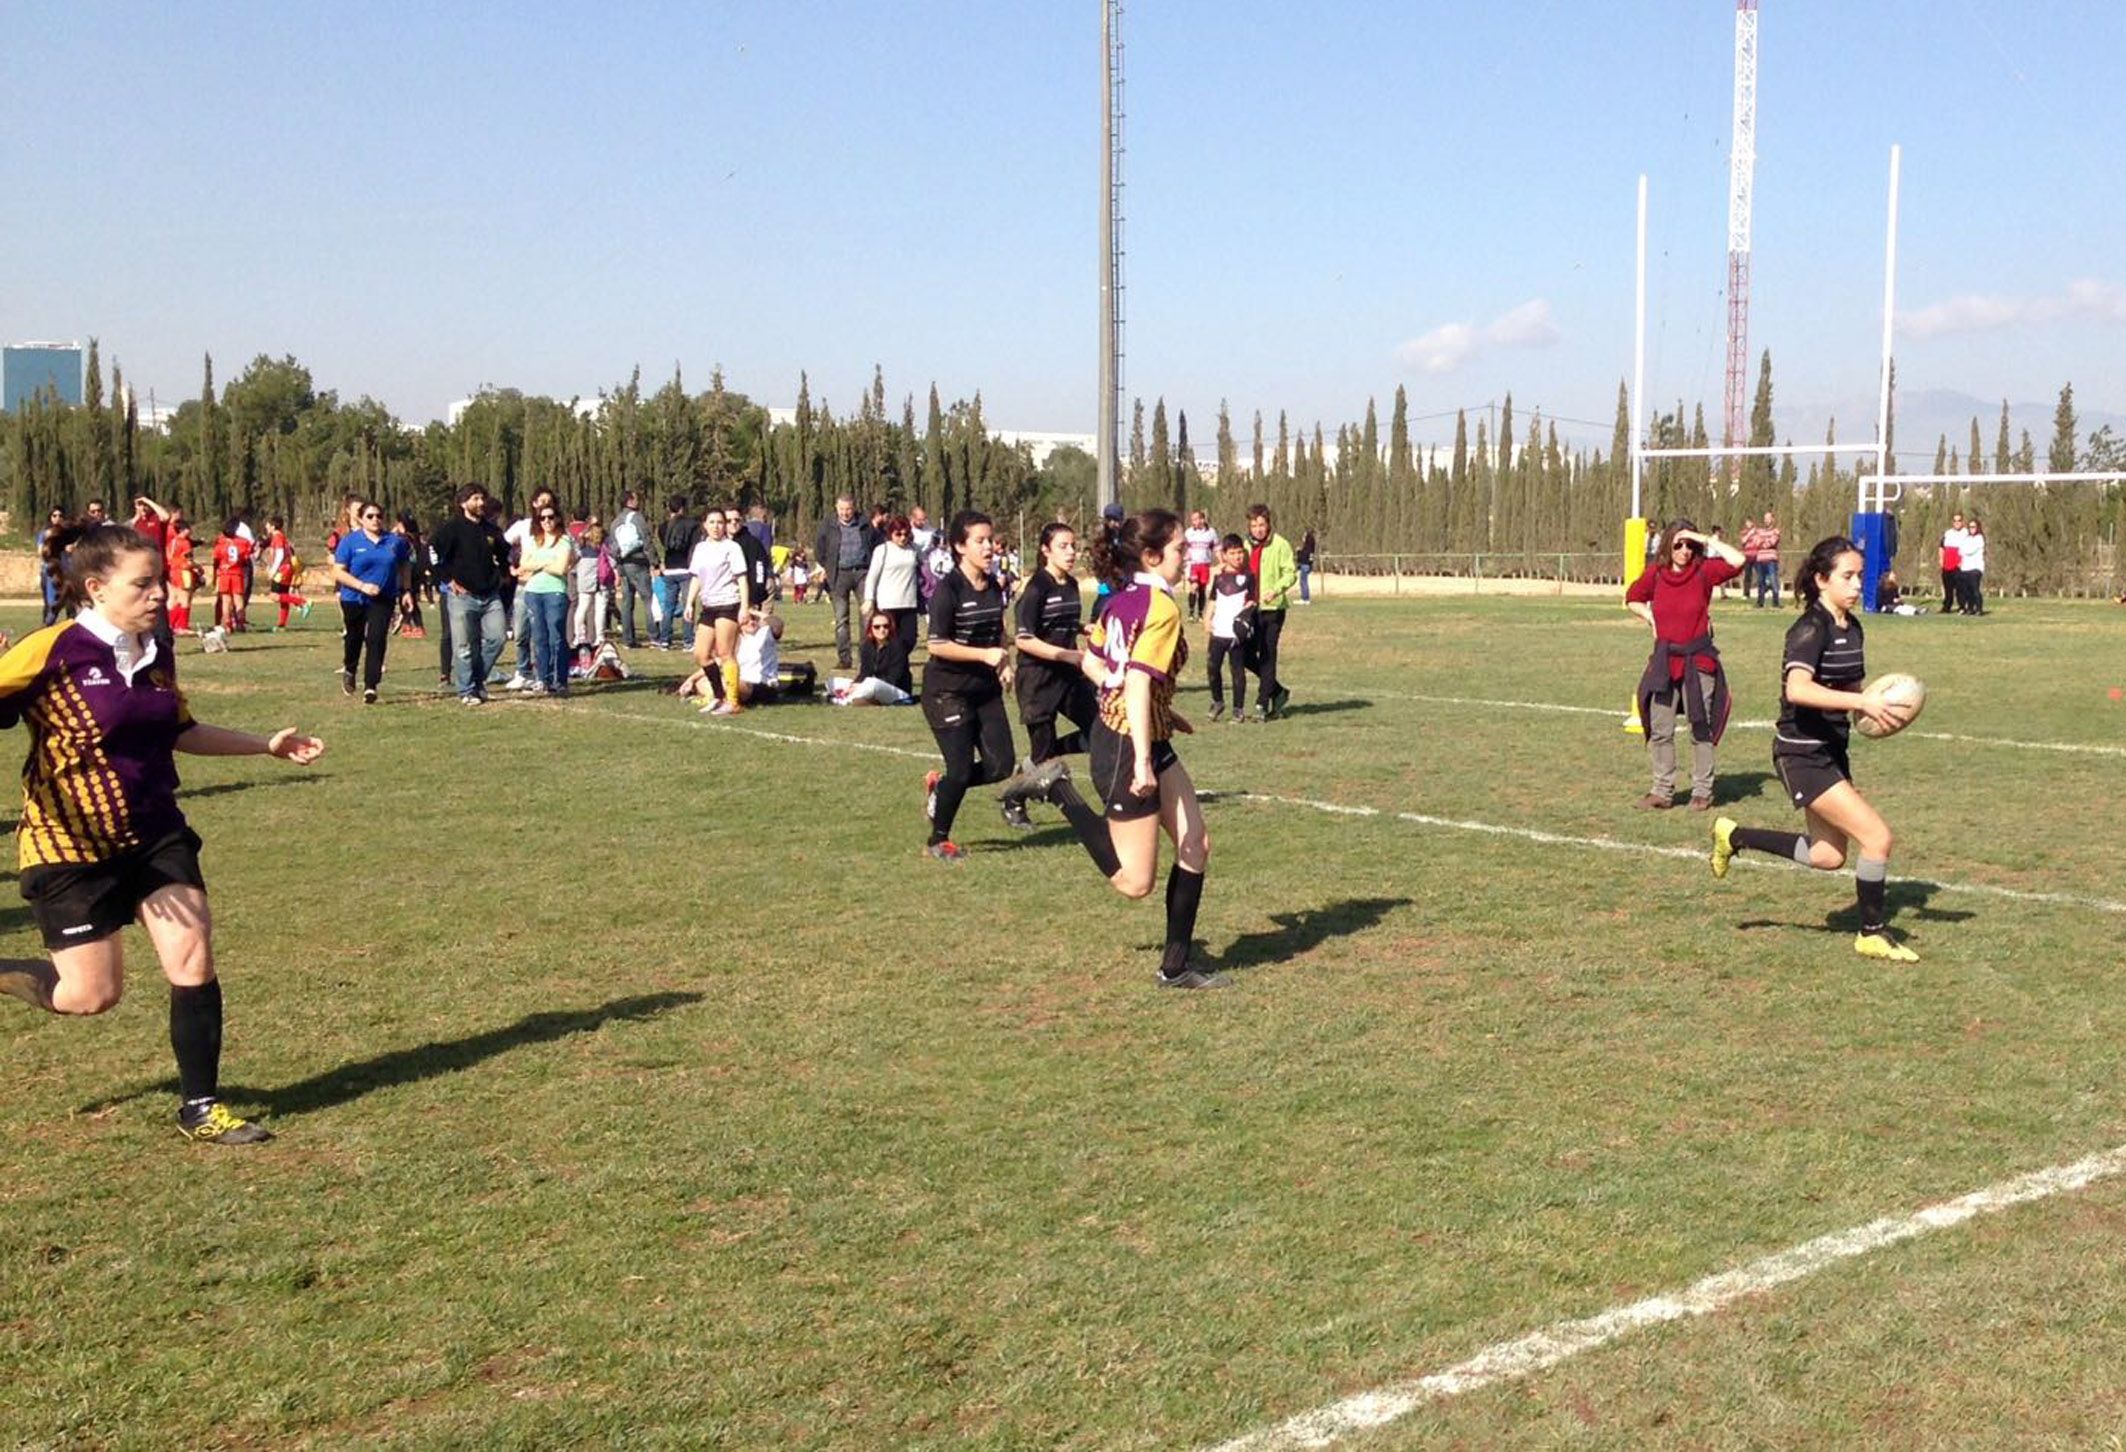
(1119,552)
(1821,561)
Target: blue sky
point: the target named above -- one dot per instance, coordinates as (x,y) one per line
(415,200)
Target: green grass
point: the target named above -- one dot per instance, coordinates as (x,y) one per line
(637,1079)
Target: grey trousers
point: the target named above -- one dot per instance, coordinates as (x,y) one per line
(1662,723)
(847,593)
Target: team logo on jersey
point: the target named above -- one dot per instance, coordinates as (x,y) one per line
(94,676)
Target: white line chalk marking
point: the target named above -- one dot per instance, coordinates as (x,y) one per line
(1421,819)
(1562,1340)
(2069,747)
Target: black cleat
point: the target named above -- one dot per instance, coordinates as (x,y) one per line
(1015,816)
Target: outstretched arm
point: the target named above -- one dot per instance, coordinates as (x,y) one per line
(289,744)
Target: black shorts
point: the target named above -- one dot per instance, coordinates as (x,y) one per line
(85,902)
(1114,764)
(710,614)
(1807,775)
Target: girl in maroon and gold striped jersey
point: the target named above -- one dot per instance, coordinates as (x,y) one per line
(1137,654)
(102,841)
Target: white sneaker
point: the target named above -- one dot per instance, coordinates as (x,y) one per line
(517,683)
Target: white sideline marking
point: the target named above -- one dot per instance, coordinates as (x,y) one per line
(1540,1350)
(2071,747)
(1421,819)
(1648,849)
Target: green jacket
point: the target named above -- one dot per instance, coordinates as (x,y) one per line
(1280,573)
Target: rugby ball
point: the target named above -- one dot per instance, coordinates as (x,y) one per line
(1907,693)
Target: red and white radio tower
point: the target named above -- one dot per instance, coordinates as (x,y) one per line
(1742,167)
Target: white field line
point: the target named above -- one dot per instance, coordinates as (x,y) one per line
(1647,849)
(1421,819)
(1539,1350)
(2075,748)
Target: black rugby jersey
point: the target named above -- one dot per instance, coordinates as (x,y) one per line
(1050,611)
(1832,654)
(966,614)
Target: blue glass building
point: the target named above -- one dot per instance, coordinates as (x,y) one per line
(28,368)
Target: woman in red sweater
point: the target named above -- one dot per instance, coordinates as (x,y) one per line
(1683,675)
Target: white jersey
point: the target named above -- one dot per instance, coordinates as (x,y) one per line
(1202,544)
(759,657)
(721,568)
(1974,551)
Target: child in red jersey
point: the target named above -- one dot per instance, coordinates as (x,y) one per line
(231,553)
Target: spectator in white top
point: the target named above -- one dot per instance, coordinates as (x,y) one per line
(1973,574)
(1952,564)
(890,580)
(920,535)
(517,536)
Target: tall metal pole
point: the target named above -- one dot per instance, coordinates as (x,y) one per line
(1638,365)
(1742,167)
(1109,474)
(1889,327)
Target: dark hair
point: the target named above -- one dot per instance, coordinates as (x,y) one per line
(898,524)
(1232,542)
(273,521)
(1820,560)
(963,522)
(1049,533)
(1262,512)
(1668,537)
(1119,551)
(676,503)
(228,526)
(84,550)
(467,491)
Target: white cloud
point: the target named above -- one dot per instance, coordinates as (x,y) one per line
(1450,345)
(2085,298)
(1442,350)
(1527,326)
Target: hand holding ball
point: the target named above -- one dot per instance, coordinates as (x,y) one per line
(1898,699)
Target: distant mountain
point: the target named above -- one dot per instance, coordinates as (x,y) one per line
(1925,415)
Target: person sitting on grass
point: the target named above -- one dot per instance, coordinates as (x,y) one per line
(763,676)
(102,841)
(884,678)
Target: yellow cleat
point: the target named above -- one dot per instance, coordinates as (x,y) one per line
(1882,945)
(1723,845)
(215,1124)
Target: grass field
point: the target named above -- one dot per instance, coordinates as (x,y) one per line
(637,1081)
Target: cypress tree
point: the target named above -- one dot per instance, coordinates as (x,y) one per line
(1159,479)
(1284,450)
(1228,452)
(1258,445)
(1402,481)
(1137,458)
(2003,460)
(1184,463)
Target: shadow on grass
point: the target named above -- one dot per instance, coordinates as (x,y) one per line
(224,788)
(1048,834)
(1325,708)
(1914,899)
(1299,933)
(349,1082)
(1738,786)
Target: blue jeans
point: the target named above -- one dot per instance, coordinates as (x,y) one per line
(476,632)
(1306,573)
(671,599)
(1767,580)
(548,615)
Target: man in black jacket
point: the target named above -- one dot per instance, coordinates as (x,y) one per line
(843,552)
(472,560)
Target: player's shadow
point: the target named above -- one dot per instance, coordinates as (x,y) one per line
(1326,708)
(1904,899)
(1738,786)
(1298,933)
(224,788)
(1047,835)
(349,1082)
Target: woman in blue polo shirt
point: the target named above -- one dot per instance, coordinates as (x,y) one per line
(366,565)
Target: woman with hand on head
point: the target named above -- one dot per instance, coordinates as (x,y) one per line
(102,841)
(1821,674)
(1683,675)
(963,685)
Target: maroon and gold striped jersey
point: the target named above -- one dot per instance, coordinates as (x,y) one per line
(1139,629)
(102,774)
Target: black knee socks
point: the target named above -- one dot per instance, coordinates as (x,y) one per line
(1790,845)
(1184,895)
(1871,884)
(195,1035)
(1090,826)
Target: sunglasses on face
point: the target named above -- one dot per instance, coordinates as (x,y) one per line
(880,629)
(371,514)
